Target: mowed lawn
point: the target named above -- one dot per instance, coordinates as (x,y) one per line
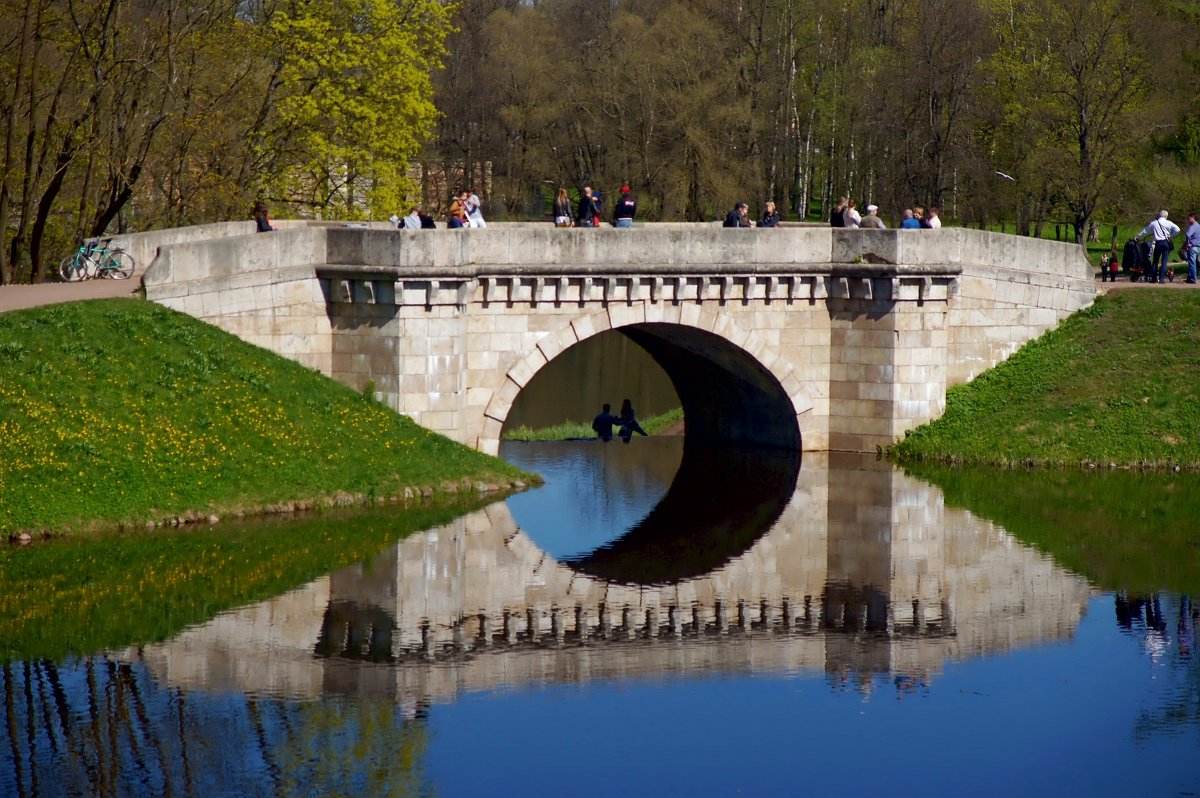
(1116,384)
(122,411)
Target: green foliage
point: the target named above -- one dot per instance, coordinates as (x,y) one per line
(80,596)
(125,411)
(1114,384)
(356,100)
(1121,530)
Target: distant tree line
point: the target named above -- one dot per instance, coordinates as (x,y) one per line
(133,114)
(993,110)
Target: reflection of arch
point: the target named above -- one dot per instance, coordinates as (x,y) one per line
(719,504)
(733,384)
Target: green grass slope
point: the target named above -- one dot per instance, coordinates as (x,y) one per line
(1117,383)
(122,411)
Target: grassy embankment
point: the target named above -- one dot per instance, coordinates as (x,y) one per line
(654,425)
(1115,385)
(122,413)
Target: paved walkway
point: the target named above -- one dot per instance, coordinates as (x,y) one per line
(15,297)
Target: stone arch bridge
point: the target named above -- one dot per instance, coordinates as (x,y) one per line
(801,338)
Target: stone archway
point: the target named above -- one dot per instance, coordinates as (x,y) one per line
(732,384)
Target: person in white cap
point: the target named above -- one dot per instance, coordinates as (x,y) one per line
(872,220)
(1163,230)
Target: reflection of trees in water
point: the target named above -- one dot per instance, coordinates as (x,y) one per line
(99,727)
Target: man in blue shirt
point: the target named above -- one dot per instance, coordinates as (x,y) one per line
(910,222)
(1191,245)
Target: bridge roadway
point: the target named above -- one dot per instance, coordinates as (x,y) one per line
(800,338)
(863,572)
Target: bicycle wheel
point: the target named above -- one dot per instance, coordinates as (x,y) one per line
(118,264)
(72,269)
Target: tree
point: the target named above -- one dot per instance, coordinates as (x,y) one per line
(355,101)
(1076,74)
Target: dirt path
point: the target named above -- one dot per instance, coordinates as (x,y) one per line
(1179,284)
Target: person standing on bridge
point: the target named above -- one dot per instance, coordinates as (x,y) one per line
(838,217)
(472,205)
(562,209)
(1162,230)
(851,217)
(770,217)
(872,221)
(262,218)
(589,209)
(1191,245)
(625,208)
(738,216)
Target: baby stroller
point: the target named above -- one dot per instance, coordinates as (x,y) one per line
(1135,260)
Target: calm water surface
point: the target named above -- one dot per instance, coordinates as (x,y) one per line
(663,622)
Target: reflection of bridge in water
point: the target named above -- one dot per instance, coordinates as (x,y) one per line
(865,572)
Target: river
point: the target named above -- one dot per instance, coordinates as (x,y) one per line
(667,620)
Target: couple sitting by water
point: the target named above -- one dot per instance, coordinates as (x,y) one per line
(604,422)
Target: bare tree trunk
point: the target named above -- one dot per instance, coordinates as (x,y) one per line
(10,136)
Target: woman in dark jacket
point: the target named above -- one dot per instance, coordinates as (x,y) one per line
(562,209)
(770,217)
(838,217)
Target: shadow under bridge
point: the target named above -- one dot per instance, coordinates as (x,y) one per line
(726,394)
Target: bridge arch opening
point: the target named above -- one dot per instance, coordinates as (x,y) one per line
(727,390)
(726,394)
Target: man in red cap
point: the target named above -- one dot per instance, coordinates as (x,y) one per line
(625,209)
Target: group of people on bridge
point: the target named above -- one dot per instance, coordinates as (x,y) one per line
(845,214)
(588,212)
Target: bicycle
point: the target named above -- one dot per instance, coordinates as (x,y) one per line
(96,259)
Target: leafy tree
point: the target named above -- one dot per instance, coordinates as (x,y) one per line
(355,101)
(1076,73)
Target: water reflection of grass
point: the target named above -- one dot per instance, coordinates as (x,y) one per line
(654,425)
(124,411)
(1121,530)
(81,596)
